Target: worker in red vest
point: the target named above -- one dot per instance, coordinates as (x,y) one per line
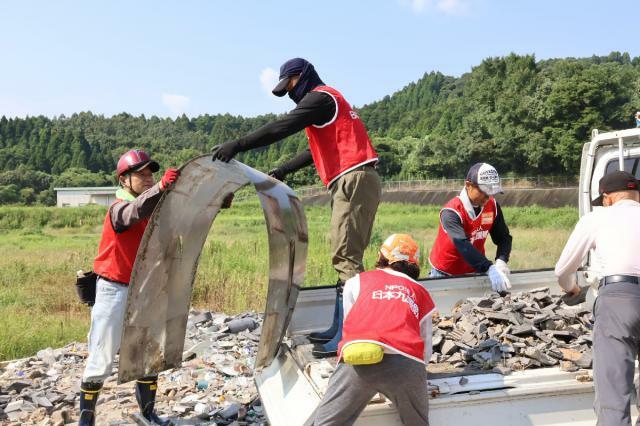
(345,161)
(465,223)
(386,340)
(122,231)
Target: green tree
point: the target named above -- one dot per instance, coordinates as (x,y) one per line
(9,194)
(27,195)
(78,177)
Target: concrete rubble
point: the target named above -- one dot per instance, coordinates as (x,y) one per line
(516,332)
(214,386)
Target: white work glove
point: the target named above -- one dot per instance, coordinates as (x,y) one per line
(502,266)
(499,281)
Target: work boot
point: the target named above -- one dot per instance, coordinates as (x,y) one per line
(146,396)
(327,335)
(88,399)
(331,347)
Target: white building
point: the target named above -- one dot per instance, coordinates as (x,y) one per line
(78,197)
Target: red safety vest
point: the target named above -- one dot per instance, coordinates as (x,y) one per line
(388,311)
(444,255)
(117,251)
(342,144)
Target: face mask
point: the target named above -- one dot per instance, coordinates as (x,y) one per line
(294,95)
(309,79)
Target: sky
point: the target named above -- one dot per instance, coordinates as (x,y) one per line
(214,57)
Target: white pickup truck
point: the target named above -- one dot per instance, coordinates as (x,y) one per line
(292,385)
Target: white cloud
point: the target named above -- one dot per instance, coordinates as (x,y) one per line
(453,7)
(268,79)
(177,104)
(447,7)
(418,6)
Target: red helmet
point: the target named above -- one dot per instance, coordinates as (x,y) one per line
(135,160)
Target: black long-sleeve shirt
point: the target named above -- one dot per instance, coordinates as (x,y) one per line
(499,235)
(316,108)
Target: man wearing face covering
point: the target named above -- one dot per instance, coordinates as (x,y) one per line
(345,160)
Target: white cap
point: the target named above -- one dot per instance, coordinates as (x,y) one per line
(486,177)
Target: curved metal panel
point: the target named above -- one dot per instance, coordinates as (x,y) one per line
(163,274)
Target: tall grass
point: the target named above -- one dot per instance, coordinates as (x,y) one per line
(35,218)
(42,247)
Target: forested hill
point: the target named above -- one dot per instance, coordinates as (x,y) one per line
(523,116)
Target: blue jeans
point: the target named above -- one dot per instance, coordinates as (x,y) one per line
(107,319)
(436,273)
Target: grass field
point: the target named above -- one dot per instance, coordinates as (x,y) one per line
(42,248)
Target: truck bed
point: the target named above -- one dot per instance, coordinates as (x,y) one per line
(293,385)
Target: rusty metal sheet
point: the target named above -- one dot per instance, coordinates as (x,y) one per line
(163,274)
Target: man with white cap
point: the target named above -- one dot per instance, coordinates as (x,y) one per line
(386,340)
(465,223)
(613,234)
(637,118)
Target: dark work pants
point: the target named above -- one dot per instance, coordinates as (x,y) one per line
(616,344)
(401,379)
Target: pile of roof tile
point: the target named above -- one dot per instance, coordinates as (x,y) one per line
(516,332)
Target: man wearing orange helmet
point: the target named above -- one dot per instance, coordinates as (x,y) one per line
(386,340)
(122,232)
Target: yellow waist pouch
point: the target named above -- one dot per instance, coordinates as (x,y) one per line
(362,353)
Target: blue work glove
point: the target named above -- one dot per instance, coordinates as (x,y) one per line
(499,281)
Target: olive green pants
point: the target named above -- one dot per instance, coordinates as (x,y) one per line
(354,202)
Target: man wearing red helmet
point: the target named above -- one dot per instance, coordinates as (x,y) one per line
(122,232)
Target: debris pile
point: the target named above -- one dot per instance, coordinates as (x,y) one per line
(213,387)
(516,332)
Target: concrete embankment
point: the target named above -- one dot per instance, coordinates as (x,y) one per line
(545,197)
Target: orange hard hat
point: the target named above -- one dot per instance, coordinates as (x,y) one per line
(399,247)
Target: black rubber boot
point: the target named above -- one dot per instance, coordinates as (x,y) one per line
(327,335)
(146,396)
(88,399)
